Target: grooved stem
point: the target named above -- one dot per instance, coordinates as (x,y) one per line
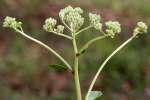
(76,73)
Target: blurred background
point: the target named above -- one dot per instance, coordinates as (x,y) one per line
(24,71)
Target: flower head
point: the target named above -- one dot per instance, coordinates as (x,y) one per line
(72,16)
(113,27)
(60,29)
(49,25)
(95,21)
(141,28)
(11,23)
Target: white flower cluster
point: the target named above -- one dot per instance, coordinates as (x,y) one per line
(11,23)
(50,24)
(95,21)
(72,16)
(60,29)
(73,20)
(113,27)
(141,28)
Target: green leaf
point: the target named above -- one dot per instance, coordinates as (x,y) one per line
(58,67)
(94,95)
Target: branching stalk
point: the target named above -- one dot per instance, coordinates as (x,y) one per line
(66,25)
(76,73)
(45,46)
(105,62)
(86,28)
(63,35)
(90,42)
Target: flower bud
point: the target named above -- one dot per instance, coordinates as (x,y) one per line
(60,29)
(98,26)
(49,25)
(72,17)
(141,28)
(113,27)
(95,21)
(74,20)
(11,23)
(94,18)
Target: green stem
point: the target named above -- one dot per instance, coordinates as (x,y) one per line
(66,25)
(84,47)
(76,73)
(47,47)
(104,63)
(86,28)
(63,35)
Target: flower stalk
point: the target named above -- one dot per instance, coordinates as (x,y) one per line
(47,47)
(90,42)
(63,35)
(140,29)
(84,29)
(76,69)
(104,63)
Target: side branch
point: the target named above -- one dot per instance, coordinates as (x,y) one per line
(105,62)
(86,28)
(45,46)
(90,42)
(63,35)
(66,25)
